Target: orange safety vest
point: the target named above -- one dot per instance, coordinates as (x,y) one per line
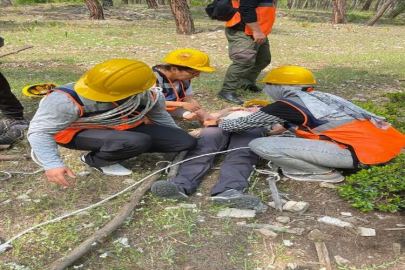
(371,145)
(266,15)
(66,135)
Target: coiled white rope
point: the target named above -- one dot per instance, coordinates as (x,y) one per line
(10,173)
(114,116)
(7,245)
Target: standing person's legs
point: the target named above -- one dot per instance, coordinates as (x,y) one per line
(191,172)
(304,159)
(262,60)
(9,104)
(238,165)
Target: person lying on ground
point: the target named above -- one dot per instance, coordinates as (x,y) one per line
(174,77)
(233,175)
(333,133)
(105,112)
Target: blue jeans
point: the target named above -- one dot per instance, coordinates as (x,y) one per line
(302,156)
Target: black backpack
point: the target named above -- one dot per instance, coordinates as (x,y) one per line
(221,10)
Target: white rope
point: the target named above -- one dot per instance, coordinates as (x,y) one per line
(6,245)
(10,173)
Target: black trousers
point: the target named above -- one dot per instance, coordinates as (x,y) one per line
(9,104)
(236,168)
(112,146)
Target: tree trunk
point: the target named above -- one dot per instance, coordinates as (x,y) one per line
(289,3)
(107,3)
(5,3)
(400,8)
(339,11)
(161,2)
(124,2)
(367,5)
(96,10)
(152,4)
(182,17)
(354,4)
(380,12)
(376,5)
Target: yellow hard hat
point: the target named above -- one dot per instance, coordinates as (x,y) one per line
(253,102)
(38,90)
(290,75)
(189,58)
(115,79)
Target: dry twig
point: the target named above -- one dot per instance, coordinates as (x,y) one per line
(17,51)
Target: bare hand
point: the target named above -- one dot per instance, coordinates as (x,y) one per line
(259,37)
(191,106)
(57,175)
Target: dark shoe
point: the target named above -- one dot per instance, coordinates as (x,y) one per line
(252,88)
(235,198)
(230,97)
(11,136)
(169,190)
(7,124)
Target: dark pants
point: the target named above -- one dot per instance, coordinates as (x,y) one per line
(236,168)
(112,146)
(9,104)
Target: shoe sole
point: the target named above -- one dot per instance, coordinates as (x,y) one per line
(167,190)
(243,202)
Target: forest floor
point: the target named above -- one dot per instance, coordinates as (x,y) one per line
(357,62)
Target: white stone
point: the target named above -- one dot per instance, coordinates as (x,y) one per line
(271,204)
(123,241)
(182,205)
(296,207)
(104,255)
(288,243)
(23,197)
(335,222)
(341,260)
(128,181)
(346,214)
(283,219)
(366,231)
(266,233)
(237,213)
(327,185)
(83,173)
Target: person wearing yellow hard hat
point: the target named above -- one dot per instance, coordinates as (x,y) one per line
(105,112)
(174,77)
(331,132)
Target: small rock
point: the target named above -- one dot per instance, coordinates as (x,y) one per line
(200,219)
(199,194)
(327,185)
(104,255)
(334,221)
(296,207)
(317,235)
(397,249)
(266,233)
(182,205)
(366,231)
(88,225)
(5,202)
(261,207)
(23,197)
(400,225)
(84,213)
(283,219)
(297,231)
(128,181)
(123,241)
(288,243)
(292,266)
(346,214)
(241,223)
(237,213)
(29,191)
(341,261)
(83,173)
(381,216)
(271,204)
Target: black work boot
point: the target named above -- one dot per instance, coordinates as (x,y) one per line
(11,136)
(169,190)
(230,97)
(236,198)
(252,88)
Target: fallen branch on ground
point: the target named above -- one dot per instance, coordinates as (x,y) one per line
(17,51)
(12,157)
(117,221)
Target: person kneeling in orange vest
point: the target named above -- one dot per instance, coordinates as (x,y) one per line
(105,112)
(331,132)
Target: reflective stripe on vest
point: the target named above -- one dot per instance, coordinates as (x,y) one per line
(87,108)
(169,90)
(371,144)
(266,15)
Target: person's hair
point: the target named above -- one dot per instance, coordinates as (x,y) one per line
(168,67)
